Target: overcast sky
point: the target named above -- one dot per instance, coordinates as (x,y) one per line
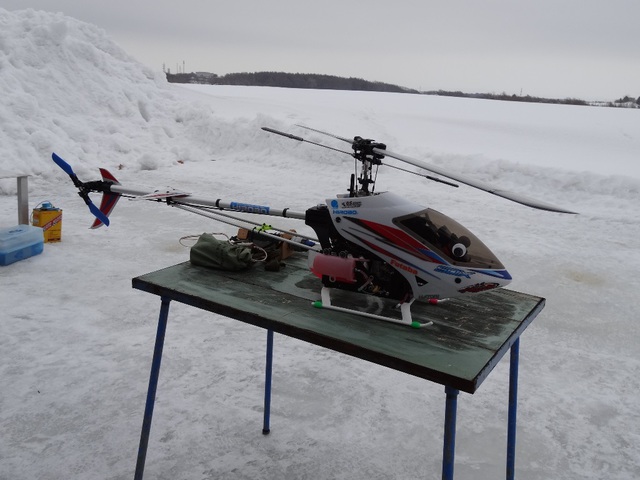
(587,49)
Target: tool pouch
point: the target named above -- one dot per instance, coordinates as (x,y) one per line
(221,255)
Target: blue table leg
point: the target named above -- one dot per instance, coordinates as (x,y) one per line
(267,383)
(513,410)
(153,385)
(449,449)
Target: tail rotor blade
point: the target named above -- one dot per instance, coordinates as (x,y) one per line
(63,165)
(97,213)
(83,189)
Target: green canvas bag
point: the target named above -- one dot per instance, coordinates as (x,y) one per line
(221,255)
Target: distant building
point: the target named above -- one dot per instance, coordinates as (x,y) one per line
(206,75)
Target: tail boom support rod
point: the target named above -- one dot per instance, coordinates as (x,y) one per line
(219,203)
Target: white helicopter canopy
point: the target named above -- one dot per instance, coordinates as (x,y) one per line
(448,238)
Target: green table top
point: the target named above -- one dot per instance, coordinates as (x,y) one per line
(468,337)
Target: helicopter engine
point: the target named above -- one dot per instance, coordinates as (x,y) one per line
(345,265)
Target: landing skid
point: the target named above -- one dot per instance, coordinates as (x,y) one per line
(405,310)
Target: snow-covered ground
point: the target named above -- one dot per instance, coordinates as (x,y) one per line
(76,340)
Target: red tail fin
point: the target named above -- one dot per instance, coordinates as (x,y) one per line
(109,200)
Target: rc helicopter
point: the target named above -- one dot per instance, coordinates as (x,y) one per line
(368,242)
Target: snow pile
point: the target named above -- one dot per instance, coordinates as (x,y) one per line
(76,340)
(67,87)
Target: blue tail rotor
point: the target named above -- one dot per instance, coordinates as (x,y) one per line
(64,166)
(83,189)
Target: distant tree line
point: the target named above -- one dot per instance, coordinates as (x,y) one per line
(626,101)
(287,80)
(511,98)
(331,82)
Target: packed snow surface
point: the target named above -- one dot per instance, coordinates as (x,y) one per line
(76,340)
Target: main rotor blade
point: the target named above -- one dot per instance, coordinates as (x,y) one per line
(515,197)
(300,139)
(352,142)
(326,133)
(428,177)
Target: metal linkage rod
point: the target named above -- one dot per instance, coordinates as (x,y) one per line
(214,216)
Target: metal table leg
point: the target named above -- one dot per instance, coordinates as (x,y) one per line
(153,385)
(267,383)
(449,449)
(513,409)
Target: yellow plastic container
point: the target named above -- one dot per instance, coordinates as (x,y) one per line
(49,218)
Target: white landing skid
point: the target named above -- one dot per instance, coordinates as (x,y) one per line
(405,310)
